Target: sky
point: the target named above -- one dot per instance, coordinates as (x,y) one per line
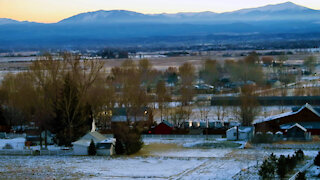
(50,11)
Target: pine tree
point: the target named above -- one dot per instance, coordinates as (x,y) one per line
(3,121)
(119,147)
(282,166)
(299,155)
(301,176)
(266,169)
(317,159)
(92,149)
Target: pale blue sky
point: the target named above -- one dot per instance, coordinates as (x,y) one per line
(55,10)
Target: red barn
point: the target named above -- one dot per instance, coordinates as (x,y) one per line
(306,116)
(163,128)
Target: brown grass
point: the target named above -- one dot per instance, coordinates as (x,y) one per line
(149,149)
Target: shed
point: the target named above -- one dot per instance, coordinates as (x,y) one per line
(297,132)
(163,128)
(80,147)
(243,133)
(106,147)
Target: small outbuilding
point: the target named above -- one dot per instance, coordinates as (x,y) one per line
(239,133)
(106,147)
(297,132)
(163,128)
(80,147)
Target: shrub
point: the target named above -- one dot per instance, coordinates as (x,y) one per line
(301,176)
(317,159)
(291,162)
(7,146)
(267,169)
(92,149)
(36,153)
(299,155)
(281,166)
(130,139)
(133,143)
(119,147)
(273,159)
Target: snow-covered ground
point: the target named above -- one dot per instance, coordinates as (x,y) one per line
(218,164)
(161,159)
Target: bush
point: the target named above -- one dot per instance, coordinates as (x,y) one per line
(92,149)
(119,147)
(317,159)
(282,166)
(268,167)
(291,162)
(129,138)
(301,176)
(133,143)
(273,159)
(36,153)
(266,170)
(299,155)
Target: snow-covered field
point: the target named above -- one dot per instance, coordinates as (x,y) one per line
(162,159)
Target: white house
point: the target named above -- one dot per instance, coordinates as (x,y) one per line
(80,147)
(243,133)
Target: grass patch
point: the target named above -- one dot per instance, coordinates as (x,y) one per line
(151,148)
(223,144)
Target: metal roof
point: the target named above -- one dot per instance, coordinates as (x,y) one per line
(270,118)
(299,126)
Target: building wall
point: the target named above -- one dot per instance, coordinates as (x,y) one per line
(163,129)
(80,150)
(304,115)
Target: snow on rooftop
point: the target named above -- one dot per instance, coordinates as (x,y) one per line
(299,126)
(270,118)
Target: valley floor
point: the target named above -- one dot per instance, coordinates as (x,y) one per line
(157,160)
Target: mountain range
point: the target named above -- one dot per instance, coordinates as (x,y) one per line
(118,26)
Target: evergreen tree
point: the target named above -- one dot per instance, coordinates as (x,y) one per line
(119,147)
(3,121)
(282,166)
(317,159)
(267,169)
(301,176)
(129,138)
(299,155)
(92,149)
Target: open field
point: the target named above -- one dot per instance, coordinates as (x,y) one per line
(167,159)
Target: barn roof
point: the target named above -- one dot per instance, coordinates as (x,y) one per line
(307,125)
(271,118)
(86,139)
(299,126)
(167,123)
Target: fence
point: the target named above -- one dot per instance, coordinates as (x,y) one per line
(173,136)
(304,168)
(180,136)
(36,152)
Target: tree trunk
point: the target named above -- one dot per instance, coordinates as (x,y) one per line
(45,139)
(40,138)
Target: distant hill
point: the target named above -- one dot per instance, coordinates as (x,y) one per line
(118,26)
(284,11)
